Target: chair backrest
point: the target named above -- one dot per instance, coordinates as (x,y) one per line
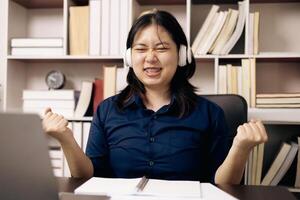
(235,110)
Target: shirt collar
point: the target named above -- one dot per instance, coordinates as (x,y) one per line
(137,100)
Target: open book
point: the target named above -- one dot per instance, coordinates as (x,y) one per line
(150,188)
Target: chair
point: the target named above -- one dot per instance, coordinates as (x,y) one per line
(235,110)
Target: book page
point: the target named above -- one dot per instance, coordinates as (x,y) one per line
(172,188)
(108,186)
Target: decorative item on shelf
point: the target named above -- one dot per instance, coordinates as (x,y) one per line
(55,80)
(81,2)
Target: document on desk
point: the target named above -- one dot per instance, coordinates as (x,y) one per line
(150,189)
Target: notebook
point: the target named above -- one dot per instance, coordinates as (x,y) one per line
(143,188)
(26,171)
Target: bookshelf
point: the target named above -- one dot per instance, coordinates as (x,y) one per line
(277,64)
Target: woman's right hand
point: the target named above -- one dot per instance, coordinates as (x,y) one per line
(56,126)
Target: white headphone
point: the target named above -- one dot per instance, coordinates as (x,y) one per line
(184,56)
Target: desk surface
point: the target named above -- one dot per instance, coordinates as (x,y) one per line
(238,191)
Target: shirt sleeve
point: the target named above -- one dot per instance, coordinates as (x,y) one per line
(219,142)
(97,149)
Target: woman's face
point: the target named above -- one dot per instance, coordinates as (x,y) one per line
(154,57)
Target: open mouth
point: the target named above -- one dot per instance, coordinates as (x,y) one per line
(152,71)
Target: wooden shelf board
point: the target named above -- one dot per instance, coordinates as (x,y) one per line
(274,1)
(40,3)
(67,58)
(275,115)
(161,2)
(80,119)
(214,2)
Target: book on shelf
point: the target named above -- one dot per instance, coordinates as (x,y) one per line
(251,34)
(122,78)
(124,24)
(238,29)
(297,180)
(109,85)
(208,20)
(226,31)
(297,105)
(246,80)
(278,161)
(95,27)
(252,82)
(144,187)
(37,42)
(212,33)
(279,100)
(60,101)
(79,30)
(85,134)
(105,27)
(222,79)
(37,51)
(115,20)
(256,33)
(77,132)
(66,112)
(277,95)
(254,165)
(85,102)
(259,164)
(38,103)
(286,164)
(48,94)
(232,81)
(98,93)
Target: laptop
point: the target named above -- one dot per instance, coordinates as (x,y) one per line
(25,167)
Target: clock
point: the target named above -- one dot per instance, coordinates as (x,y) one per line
(55,79)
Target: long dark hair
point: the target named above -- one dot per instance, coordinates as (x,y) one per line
(184,92)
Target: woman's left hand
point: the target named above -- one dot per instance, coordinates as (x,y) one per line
(249,135)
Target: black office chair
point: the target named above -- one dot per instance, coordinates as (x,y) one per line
(235,110)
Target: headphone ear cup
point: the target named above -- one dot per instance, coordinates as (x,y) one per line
(127,58)
(182,56)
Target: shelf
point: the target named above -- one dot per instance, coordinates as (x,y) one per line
(273,1)
(275,116)
(230,56)
(40,3)
(214,2)
(279,56)
(67,58)
(161,2)
(80,119)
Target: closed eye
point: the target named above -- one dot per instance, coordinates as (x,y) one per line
(162,49)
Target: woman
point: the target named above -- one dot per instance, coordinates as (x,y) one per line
(157,126)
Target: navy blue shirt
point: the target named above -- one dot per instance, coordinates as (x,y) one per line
(137,141)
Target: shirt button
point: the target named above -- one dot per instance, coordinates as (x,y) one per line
(151,163)
(154,116)
(152,139)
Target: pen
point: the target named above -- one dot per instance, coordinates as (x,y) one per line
(141,184)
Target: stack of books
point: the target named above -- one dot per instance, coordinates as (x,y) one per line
(220,30)
(37,47)
(278,100)
(278,168)
(236,79)
(60,101)
(100,28)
